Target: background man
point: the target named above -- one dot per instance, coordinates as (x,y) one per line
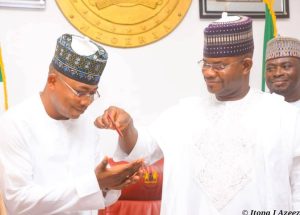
(232,153)
(283,68)
(49,151)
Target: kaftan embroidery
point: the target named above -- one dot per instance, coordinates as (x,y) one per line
(223,151)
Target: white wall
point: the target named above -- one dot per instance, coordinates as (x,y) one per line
(143,80)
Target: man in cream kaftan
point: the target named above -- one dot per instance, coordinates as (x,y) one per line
(225,157)
(236,152)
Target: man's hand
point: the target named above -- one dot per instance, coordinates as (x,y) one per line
(114,118)
(118,176)
(117,119)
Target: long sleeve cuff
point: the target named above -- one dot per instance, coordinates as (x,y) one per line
(112,196)
(87,185)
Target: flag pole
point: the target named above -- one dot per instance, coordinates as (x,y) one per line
(270,32)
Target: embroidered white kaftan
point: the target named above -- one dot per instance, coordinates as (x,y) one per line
(225,157)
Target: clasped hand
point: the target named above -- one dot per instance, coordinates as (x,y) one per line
(118,176)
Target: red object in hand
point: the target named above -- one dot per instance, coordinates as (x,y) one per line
(142,198)
(117,129)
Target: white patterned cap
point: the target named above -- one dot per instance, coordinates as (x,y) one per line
(283,47)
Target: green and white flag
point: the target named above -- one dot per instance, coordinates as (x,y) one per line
(3,89)
(270,32)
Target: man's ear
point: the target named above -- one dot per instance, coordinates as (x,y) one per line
(247,64)
(52,80)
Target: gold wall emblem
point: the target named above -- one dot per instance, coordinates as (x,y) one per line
(124,23)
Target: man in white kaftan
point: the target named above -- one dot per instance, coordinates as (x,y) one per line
(234,153)
(49,164)
(225,157)
(283,68)
(50,160)
(296,104)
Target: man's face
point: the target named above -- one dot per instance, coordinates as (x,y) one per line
(71,97)
(225,77)
(283,77)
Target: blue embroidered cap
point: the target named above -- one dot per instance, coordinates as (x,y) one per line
(79,58)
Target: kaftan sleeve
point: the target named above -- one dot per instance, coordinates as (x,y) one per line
(155,139)
(295,183)
(295,170)
(146,147)
(23,196)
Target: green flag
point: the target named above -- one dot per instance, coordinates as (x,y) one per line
(270,32)
(3,91)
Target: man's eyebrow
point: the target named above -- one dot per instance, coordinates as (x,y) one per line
(87,88)
(286,62)
(216,62)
